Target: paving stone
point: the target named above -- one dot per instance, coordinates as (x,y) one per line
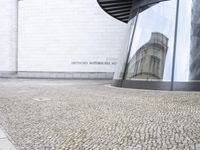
(2,134)
(84,115)
(5,144)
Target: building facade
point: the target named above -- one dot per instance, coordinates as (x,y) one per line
(8,37)
(149,60)
(58,39)
(178,22)
(71,39)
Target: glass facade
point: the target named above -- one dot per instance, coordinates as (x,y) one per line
(151,50)
(163,45)
(188,42)
(120,72)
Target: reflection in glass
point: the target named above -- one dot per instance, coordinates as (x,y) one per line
(119,73)
(151,52)
(149,60)
(195,41)
(183,45)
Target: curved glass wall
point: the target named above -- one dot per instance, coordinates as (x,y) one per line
(183,42)
(152,48)
(163,47)
(187,68)
(121,67)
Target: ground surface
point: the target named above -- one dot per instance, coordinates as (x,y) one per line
(86,115)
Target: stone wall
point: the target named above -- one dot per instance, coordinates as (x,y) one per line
(8,36)
(68,36)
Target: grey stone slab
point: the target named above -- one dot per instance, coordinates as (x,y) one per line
(5,144)
(2,134)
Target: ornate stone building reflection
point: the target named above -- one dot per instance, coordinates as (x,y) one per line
(149,61)
(195,42)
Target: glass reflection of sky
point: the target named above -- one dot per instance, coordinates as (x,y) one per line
(161,18)
(183,41)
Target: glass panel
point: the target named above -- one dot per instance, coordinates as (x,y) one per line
(152,47)
(187,67)
(119,73)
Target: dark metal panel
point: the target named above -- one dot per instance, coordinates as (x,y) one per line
(124,10)
(157,85)
(117,83)
(186,86)
(153,85)
(119,9)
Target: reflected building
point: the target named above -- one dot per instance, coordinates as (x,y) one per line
(195,42)
(149,61)
(170,59)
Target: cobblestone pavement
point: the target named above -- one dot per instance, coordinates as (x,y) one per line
(86,115)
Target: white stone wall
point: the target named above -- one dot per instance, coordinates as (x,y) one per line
(8,35)
(67,36)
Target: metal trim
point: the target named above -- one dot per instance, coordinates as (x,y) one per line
(113,7)
(157,85)
(175,43)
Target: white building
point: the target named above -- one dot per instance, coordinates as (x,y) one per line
(149,60)
(58,39)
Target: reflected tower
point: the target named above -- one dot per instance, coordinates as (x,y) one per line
(195,42)
(149,61)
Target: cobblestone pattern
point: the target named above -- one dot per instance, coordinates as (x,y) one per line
(86,115)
